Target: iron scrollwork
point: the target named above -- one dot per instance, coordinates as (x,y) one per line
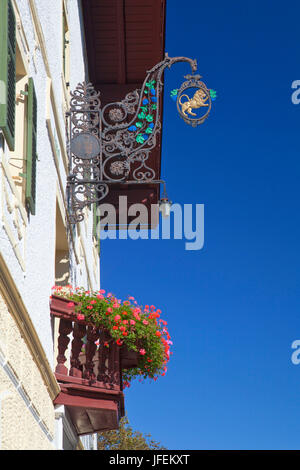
(85,181)
(113,144)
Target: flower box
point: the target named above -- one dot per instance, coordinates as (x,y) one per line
(129,358)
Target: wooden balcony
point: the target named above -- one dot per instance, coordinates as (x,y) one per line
(90,381)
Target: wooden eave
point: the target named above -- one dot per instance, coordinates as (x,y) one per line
(125,39)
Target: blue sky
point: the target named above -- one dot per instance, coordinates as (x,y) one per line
(232,307)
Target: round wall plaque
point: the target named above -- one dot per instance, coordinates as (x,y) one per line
(85,145)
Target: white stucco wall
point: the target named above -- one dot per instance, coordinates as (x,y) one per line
(37,277)
(28,245)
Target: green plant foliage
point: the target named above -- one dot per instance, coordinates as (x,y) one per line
(125,438)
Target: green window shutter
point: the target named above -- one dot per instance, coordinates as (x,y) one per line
(31,156)
(7,71)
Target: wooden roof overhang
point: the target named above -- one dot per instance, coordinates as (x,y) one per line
(125,39)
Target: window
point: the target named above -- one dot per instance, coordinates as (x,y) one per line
(23,158)
(18,111)
(62,262)
(16,156)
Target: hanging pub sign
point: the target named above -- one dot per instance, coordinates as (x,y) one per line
(113,144)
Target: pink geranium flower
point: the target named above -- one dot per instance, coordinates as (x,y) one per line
(142,352)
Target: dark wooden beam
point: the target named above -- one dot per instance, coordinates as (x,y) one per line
(88,27)
(125,39)
(121,51)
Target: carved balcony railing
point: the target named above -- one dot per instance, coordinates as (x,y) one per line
(89,371)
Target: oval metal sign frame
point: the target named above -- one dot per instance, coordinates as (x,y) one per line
(200,99)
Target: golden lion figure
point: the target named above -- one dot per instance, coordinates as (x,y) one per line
(199,99)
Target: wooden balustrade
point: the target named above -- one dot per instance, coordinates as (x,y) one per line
(94,356)
(65,328)
(89,371)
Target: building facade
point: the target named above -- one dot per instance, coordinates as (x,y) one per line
(42,57)
(45,52)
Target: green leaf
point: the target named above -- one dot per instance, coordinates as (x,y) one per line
(150,84)
(140,139)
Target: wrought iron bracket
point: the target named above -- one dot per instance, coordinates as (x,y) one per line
(112,145)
